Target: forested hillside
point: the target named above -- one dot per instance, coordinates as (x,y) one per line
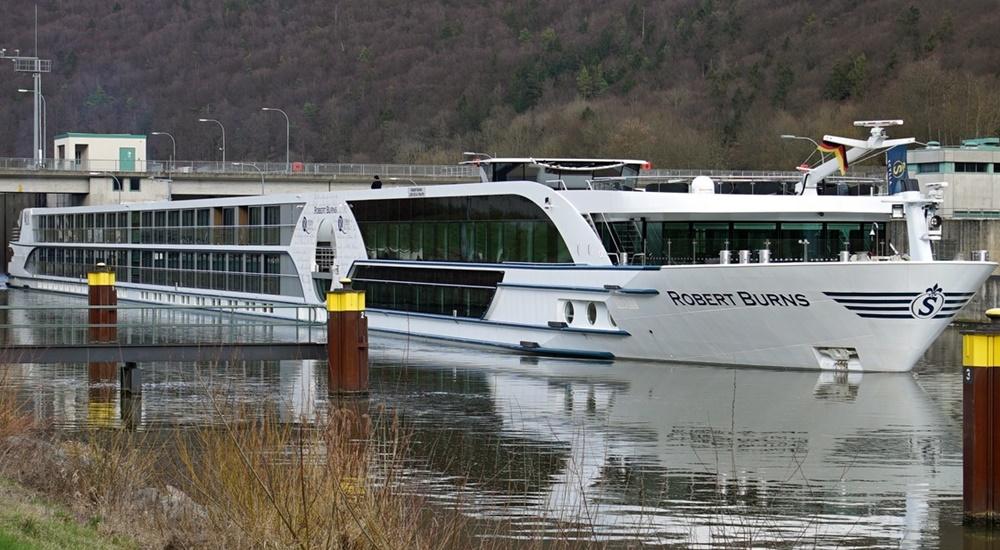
(684,83)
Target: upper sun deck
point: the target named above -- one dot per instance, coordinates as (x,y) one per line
(558,173)
(604,174)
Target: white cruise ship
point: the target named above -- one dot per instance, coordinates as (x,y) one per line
(571,257)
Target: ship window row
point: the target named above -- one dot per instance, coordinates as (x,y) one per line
(459,277)
(471,208)
(456,301)
(229,271)
(666,243)
(236,225)
(470,241)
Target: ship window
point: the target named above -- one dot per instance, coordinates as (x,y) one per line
(592,313)
(453,292)
(272,215)
(800,239)
(709,239)
(477,229)
(753,236)
(568,312)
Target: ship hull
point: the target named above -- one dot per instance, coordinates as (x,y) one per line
(858,316)
(872,316)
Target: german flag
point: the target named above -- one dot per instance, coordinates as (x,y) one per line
(838,151)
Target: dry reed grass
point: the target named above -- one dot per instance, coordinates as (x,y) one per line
(249,479)
(270,484)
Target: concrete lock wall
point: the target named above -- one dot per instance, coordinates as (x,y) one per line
(104,189)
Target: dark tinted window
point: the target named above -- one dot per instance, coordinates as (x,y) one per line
(488,229)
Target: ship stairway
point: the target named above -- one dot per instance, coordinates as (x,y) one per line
(624,240)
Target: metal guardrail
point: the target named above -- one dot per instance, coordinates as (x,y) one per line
(157,168)
(361,169)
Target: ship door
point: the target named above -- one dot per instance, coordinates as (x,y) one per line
(325,268)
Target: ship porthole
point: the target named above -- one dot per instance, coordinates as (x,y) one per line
(568,312)
(592,313)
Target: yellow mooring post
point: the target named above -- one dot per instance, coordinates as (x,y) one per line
(981,421)
(103,321)
(347,340)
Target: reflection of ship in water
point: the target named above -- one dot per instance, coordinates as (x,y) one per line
(668,451)
(676,454)
(41,318)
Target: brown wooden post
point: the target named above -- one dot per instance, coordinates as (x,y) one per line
(101,292)
(981,422)
(347,341)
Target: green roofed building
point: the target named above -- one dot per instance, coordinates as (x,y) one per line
(101,152)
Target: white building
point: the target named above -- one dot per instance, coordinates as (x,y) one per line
(101,152)
(972,171)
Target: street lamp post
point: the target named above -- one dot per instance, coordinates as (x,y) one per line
(287,135)
(116,179)
(173,156)
(45,119)
(223,135)
(35,66)
(254,166)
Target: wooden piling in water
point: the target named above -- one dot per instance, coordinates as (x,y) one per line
(347,341)
(981,422)
(101,292)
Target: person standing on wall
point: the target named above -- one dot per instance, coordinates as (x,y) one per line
(376,183)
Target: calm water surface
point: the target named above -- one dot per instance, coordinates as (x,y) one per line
(669,454)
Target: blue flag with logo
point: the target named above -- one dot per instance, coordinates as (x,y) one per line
(895,166)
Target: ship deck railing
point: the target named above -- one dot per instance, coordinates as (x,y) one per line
(733,183)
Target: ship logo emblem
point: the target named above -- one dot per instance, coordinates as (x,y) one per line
(928,304)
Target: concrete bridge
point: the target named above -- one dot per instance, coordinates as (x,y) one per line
(79,184)
(97,182)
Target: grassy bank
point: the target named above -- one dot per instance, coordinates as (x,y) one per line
(247,480)
(29,521)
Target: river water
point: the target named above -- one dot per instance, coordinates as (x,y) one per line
(666,454)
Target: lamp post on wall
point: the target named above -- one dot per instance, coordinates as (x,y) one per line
(254,166)
(173,156)
(287,135)
(223,136)
(117,180)
(45,119)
